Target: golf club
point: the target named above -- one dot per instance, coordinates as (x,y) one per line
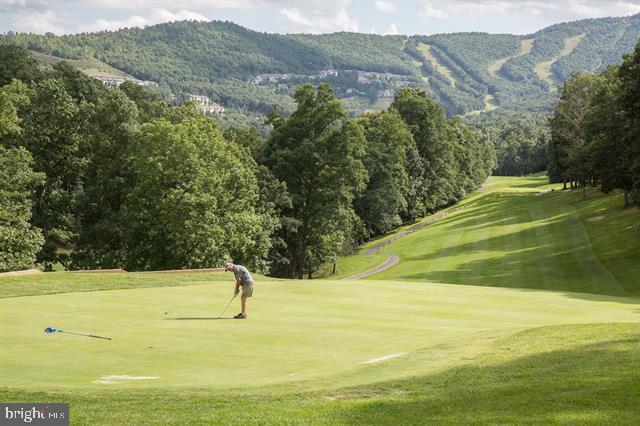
(225,309)
(57,330)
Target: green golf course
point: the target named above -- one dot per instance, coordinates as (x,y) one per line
(521,306)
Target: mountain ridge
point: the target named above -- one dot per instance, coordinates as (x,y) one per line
(225,61)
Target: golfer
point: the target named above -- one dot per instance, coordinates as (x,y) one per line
(244,280)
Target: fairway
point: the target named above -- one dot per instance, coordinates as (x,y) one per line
(519,233)
(517,299)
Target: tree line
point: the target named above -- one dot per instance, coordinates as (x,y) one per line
(520,141)
(595,130)
(96,177)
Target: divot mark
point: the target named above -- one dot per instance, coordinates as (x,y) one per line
(382,358)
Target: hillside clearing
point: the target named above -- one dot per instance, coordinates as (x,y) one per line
(525,47)
(90,66)
(439,66)
(543,69)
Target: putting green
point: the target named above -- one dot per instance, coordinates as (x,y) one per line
(333,332)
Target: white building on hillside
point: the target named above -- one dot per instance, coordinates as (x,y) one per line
(112,81)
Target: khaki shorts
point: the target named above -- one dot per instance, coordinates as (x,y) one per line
(247,290)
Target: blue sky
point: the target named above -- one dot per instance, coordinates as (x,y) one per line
(282,16)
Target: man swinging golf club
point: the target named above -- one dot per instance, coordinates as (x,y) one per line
(244,280)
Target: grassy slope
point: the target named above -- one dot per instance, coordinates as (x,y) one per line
(513,236)
(473,354)
(543,69)
(440,67)
(525,47)
(89,66)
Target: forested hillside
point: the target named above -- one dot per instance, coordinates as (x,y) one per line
(95,176)
(248,72)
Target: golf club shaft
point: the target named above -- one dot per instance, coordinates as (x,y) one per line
(87,335)
(227,307)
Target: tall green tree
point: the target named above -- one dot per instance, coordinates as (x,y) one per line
(54,132)
(149,103)
(19,240)
(16,63)
(471,158)
(248,137)
(317,152)
(630,103)
(383,201)
(568,128)
(606,127)
(13,96)
(428,125)
(193,202)
(106,182)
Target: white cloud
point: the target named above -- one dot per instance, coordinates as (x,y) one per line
(157,16)
(563,10)
(393,30)
(322,22)
(343,22)
(38,22)
(295,17)
(583,9)
(385,6)
(165,15)
(175,4)
(429,11)
(628,8)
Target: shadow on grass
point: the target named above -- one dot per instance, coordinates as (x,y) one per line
(589,374)
(595,383)
(490,210)
(547,248)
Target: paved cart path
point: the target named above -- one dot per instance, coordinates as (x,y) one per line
(391,261)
